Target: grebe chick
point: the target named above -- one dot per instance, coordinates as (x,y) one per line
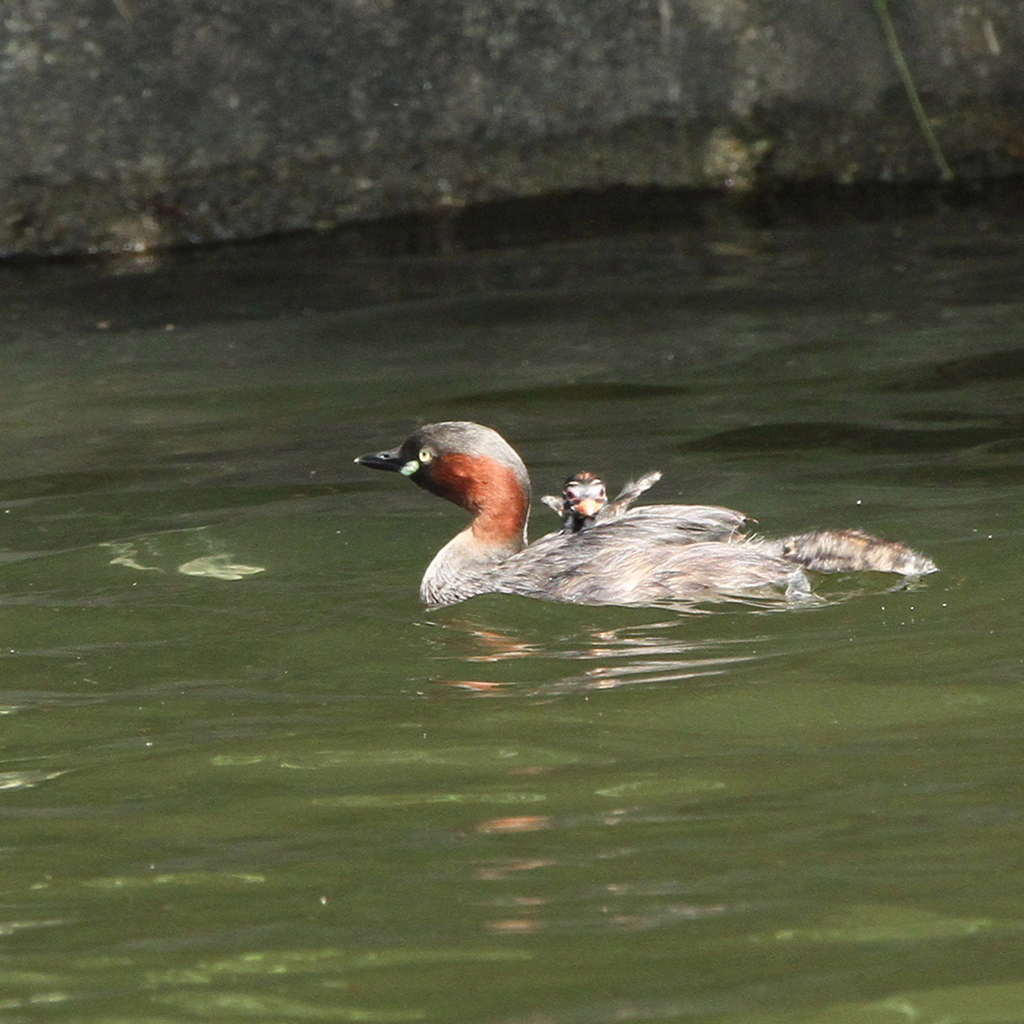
(644,555)
(584,499)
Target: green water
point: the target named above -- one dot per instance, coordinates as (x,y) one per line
(245,777)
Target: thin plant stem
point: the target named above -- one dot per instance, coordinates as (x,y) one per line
(882,6)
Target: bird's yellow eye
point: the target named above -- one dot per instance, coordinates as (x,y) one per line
(425,456)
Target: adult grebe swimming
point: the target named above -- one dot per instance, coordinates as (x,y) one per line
(643,555)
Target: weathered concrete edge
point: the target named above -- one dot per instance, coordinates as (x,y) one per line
(769,115)
(141,212)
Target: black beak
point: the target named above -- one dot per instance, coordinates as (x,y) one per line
(383,460)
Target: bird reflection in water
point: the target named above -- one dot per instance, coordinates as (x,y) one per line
(636,653)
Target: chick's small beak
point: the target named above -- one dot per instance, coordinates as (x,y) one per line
(587,506)
(391,460)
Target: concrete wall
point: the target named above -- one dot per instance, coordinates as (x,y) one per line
(135,123)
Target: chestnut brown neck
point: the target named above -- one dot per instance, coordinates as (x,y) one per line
(495,494)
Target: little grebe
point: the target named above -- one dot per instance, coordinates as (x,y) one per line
(645,555)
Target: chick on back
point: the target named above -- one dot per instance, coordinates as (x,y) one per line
(584,499)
